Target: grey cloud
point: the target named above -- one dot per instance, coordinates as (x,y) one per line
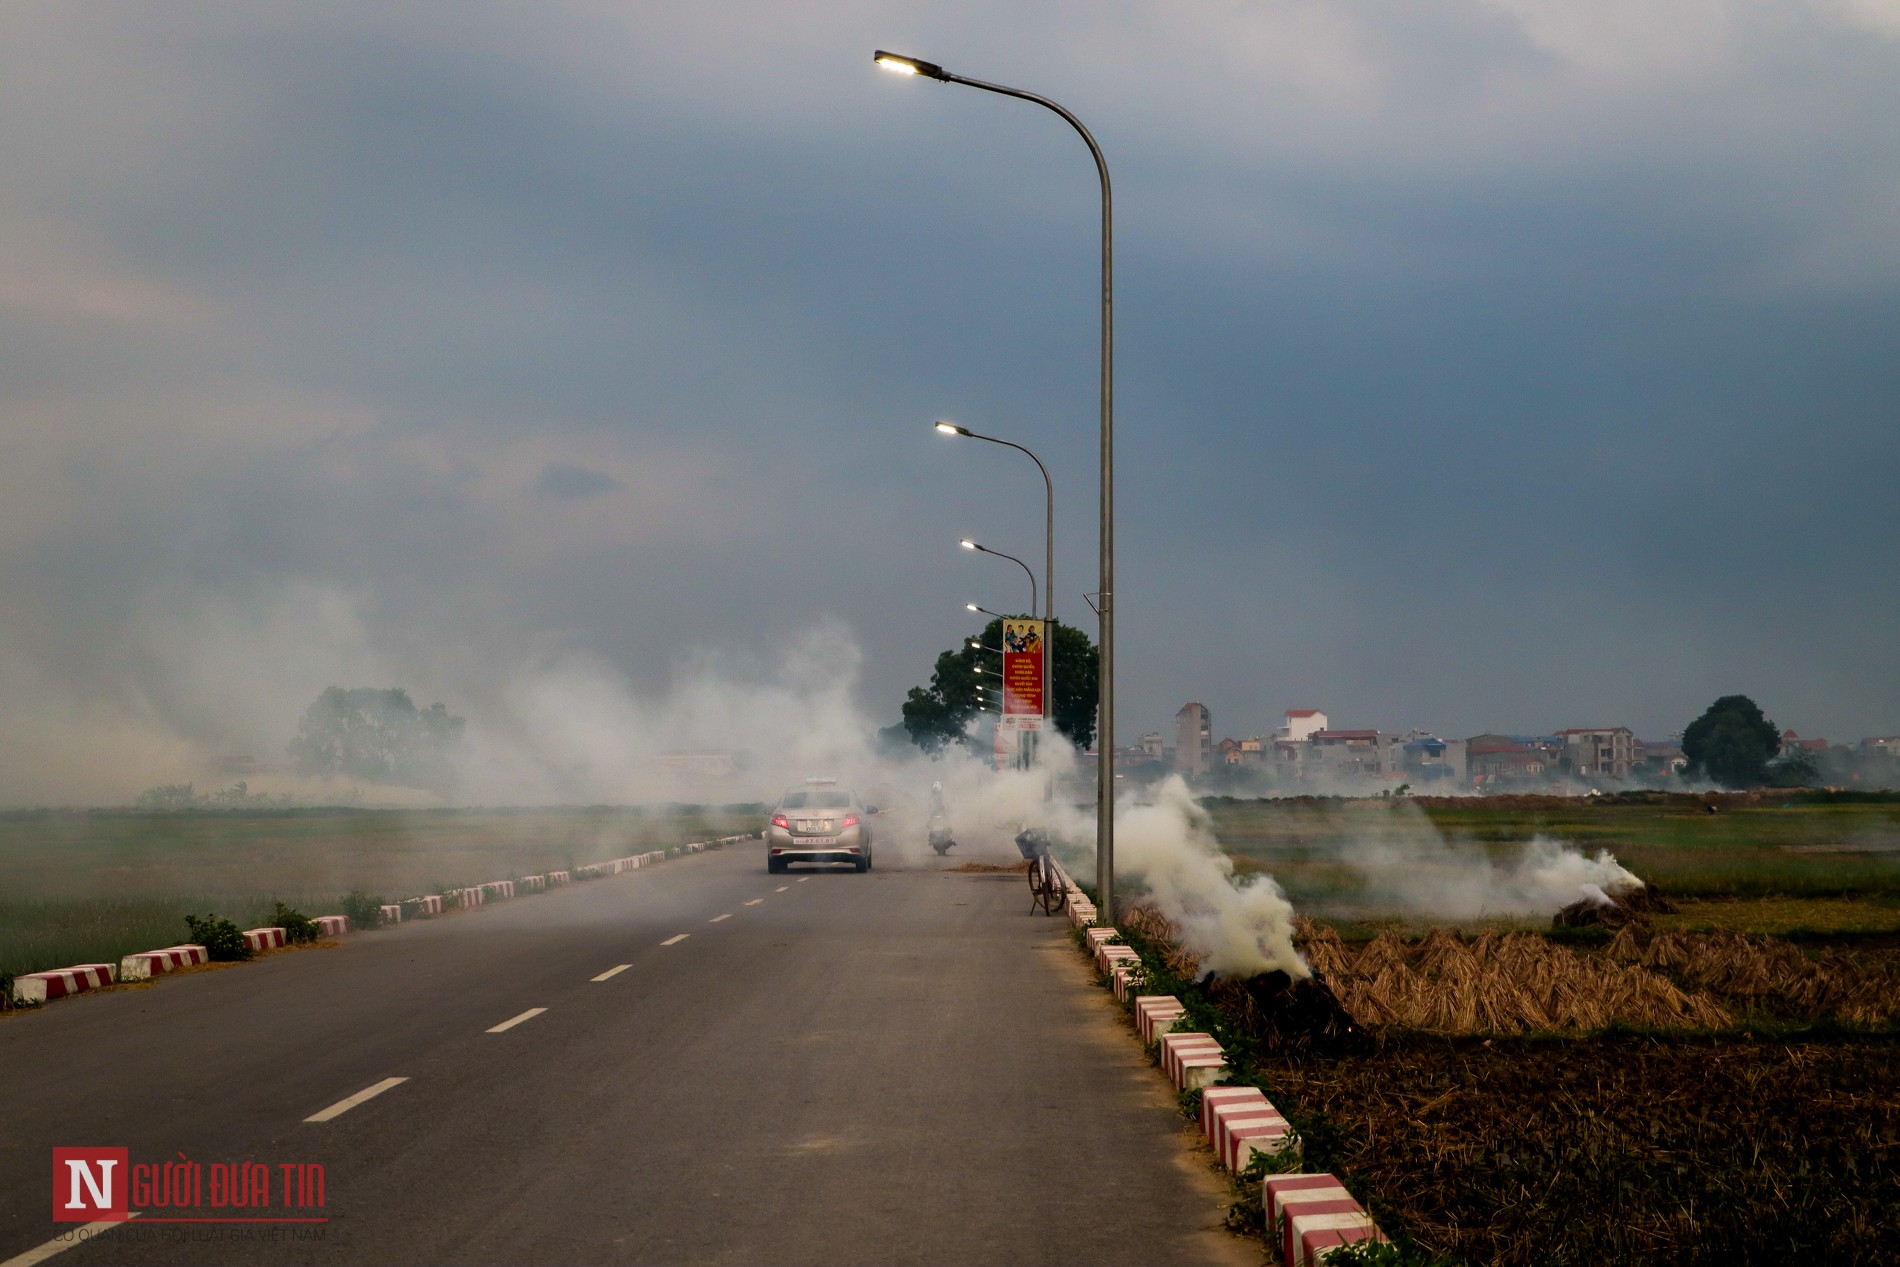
(1487,366)
(573,483)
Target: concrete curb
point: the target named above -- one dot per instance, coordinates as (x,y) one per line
(1308,1217)
(147,964)
(57,983)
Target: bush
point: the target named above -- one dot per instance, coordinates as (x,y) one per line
(221,939)
(364,910)
(297,926)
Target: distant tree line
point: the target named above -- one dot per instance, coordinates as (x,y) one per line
(965,679)
(377,735)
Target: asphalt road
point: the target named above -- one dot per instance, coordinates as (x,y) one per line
(900,1067)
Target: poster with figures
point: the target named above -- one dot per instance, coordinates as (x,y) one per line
(1023,657)
(1025,685)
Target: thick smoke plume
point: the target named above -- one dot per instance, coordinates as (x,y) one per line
(1236,926)
(1405,864)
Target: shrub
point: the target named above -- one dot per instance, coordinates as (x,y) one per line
(220,937)
(297,926)
(364,910)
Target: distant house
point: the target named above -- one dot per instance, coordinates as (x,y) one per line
(1508,759)
(1193,739)
(1660,757)
(1427,758)
(1229,750)
(1302,723)
(1791,742)
(1601,752)
(1358,752)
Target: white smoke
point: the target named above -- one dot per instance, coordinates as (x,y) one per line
(1405,864)
(1237,926)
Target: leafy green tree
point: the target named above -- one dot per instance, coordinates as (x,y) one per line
(1732,742)
(941,713)
(379,735)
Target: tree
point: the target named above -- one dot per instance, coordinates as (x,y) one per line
(1732,742)
(941,712)
(379,735)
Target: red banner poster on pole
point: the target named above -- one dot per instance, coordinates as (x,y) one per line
(1024,653)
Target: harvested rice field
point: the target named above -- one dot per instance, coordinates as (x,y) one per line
(1647,1096)
(1618,1150)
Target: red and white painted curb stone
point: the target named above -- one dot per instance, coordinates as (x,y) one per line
(44,987)
(1155,1015)
(1309,1217)
(58,983)
(147,964)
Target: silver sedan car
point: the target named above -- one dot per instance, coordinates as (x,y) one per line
(818,821)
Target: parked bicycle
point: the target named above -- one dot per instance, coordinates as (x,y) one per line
(1047,892)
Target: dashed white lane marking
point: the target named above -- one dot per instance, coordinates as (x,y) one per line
(613,972)
(755,901)
(783,887)
(715,919)
(675,939)
(803,878)
(513,1021)
(66,1240)
(349,1102)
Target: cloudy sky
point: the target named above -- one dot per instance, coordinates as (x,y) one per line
(1484,364)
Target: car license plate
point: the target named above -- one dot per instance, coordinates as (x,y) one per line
(817,840)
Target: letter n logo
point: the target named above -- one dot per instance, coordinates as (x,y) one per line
(89,1184)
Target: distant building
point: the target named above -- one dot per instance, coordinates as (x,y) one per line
(1493,759)
(1426,758)
(1791,742)
(1193,739)
(1889,744)
(1153,745)
(1356,752)
(1604,753)
(699,765)
(1228,751)
(1302,724)
(1660,758)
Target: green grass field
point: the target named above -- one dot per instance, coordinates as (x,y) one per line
(91,887)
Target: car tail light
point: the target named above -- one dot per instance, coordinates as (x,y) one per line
(779,820)
(851,820)
(855,849)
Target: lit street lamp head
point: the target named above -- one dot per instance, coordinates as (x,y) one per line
(952,429)
(968,544)
(909,65)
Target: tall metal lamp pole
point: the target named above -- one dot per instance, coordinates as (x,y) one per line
(1105,706)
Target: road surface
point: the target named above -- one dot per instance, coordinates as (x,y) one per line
(706,1064)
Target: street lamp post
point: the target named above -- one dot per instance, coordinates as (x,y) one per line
(968,544)
(1105,706)
(1048,516)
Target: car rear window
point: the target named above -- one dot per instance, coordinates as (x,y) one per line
(816,798)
